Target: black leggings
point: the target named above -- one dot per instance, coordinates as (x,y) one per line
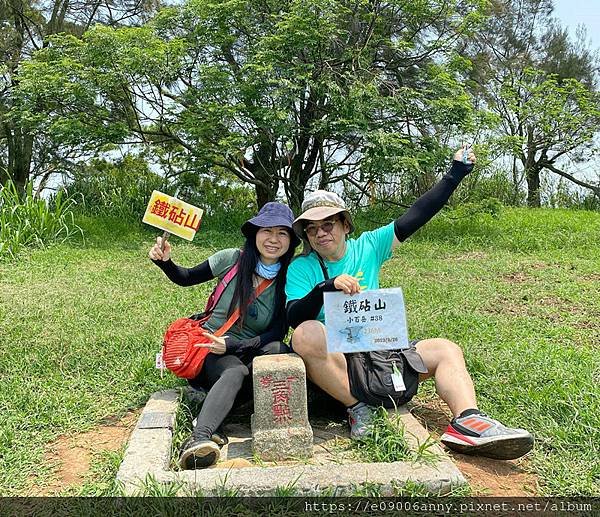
(223,376)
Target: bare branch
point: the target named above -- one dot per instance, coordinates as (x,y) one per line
(594,188)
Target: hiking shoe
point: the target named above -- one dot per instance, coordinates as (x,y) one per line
(219,436)
(481,435)
(198,453)
(359,418)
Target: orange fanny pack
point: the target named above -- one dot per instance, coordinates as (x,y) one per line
(179,353)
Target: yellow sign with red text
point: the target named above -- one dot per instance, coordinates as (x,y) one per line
(173,215)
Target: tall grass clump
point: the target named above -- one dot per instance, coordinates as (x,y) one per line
(29,221)
(387,441)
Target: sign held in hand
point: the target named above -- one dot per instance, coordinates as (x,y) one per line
(172,215)
(370,320)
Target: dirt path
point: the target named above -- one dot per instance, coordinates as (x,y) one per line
(72,455)
(487,477)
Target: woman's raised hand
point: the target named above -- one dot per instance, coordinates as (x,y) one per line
(157,254)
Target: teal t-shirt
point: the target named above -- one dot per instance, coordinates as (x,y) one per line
(363,259)
(260,311)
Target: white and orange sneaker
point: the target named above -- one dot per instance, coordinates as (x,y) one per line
(478,434)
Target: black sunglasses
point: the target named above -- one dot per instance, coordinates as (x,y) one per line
(312,229)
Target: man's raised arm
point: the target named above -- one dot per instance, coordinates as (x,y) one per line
(430,203)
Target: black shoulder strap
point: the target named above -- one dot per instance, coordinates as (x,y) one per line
(323,268)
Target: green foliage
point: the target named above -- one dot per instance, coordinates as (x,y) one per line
(561,114)
(411,489)
(273,93)
(541,85)
(489,207)
(287,490)
(366,489)
(410,167)
(227,203)
(84,84)
(26,153)
(28,221)
(387,441)
(223,489)
(484,184)
(565,196)
(469,214)
(186,412)
(151,487)
(119,189)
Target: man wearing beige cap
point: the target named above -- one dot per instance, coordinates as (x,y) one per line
(331,261)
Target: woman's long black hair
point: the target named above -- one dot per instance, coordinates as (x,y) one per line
(244,290)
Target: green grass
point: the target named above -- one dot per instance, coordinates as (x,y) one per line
(187,410)
(81,321)
(387,442)
(101,480)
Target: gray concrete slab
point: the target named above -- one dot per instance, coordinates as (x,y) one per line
(332,470)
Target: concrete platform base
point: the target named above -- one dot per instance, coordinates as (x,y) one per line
(330,472)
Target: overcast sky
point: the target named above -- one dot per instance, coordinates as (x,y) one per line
(572,13)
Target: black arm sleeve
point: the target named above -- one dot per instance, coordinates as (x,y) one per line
(276,332)
(185,276)
(308,308)
(430,203)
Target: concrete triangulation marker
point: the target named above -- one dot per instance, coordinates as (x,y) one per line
(149,450)
(280,428)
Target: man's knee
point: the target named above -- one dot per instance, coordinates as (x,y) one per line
(439,350)
(308,339)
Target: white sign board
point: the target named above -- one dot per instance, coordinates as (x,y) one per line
(370,320)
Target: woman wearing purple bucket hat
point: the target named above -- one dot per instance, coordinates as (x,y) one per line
(266,254)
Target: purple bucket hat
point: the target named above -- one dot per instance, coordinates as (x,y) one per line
(271,214)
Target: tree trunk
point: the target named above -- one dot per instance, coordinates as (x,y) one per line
(515,179)
(3,175)
(295,199)
(533,187)
(302,167)
(263,195)
(268,193)
(20,147)
(264,170)
(296,186)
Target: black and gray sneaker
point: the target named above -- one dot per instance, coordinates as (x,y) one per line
(219,436)
(198,453)
(359,418)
